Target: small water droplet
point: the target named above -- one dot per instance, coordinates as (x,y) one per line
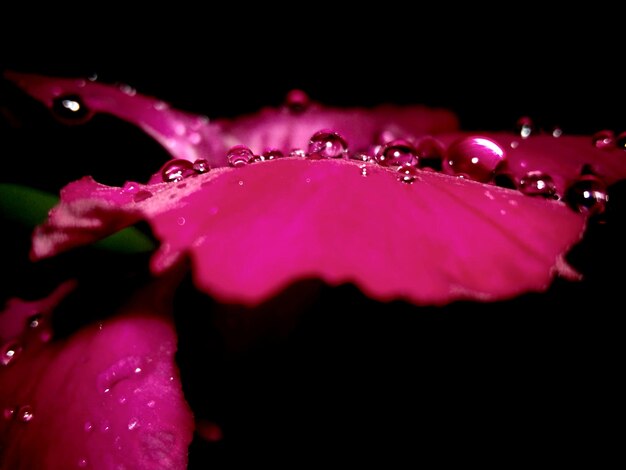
(475,157)
(122,400)
(160,105)
(327,144)
(105,426)
(537,183)
(240,183)
(25,413)
(133,424)
(297,101)
(239,155)
(604,139)
(142,195)
(35,321)
(82,463)
(297,153)
(525,127)
(9,413)
(397,153)
(363,157)
(408,174)
(176,170)
(151,404)
(620,141)
(71,108)
(557,132)
(88,426)
(93,77)
(588,195)
(9,352)
(201,166)
(514,144)
(363,169)
(127,89)
(271,154)
(430,153)
(180,221)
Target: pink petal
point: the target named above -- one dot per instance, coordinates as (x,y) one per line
(107,397)
(184,135)
(252,231)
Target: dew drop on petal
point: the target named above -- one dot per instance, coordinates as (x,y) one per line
(25,413)
(297,101)
(35,321)
(588,194)
(176,170)
(297,153)
(239,155)
(363,169)
(271,154)
(538,183)
(604,140)
(88,426)
(430,153)
(201,166)
(407,174)
(133,424)
(82,463)
(142,195)
(525,127)
(363,157)
(474,157)
(397,153)
(10,352)
(71,108)
(327,144)
(8,413)
(557,132)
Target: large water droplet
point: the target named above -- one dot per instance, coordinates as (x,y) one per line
(176,170)
(588,195)
(538,183)
(398,152)
(25,413)
(604,139)
(474,157)
(408,174)
(239,155)
(327,144)
(297,101)
(71,108)
(10,352)
(525,127)
(430,153)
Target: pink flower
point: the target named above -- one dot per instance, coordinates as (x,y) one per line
(262,210)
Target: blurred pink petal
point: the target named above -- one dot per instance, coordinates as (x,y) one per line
(107,397)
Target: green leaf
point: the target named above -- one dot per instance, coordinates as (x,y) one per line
(29,207)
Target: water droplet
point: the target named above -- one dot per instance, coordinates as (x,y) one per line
(160,105)
(180,221)
(363,169)
(105,426)
(71,108)
(557,132)
(93,77)
(133,424)
(525,127)
(130,187)
(537,183)
(82,463)
(35,321)
(9,413)
(297,153)
(327,144)
(620,141)
(514,144)
(127,89)
(239,155)
(121,370)
(88,426)
(142,195)
(25,413)
(408,174)
(397,153)
(201,166)
(588,195)
(176,170)
(297,101)
(240,183)
(474,157)
(363,157)
(430,153)
(9,352)
(122,400)
(271,154)
(151,404)
(604,140)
